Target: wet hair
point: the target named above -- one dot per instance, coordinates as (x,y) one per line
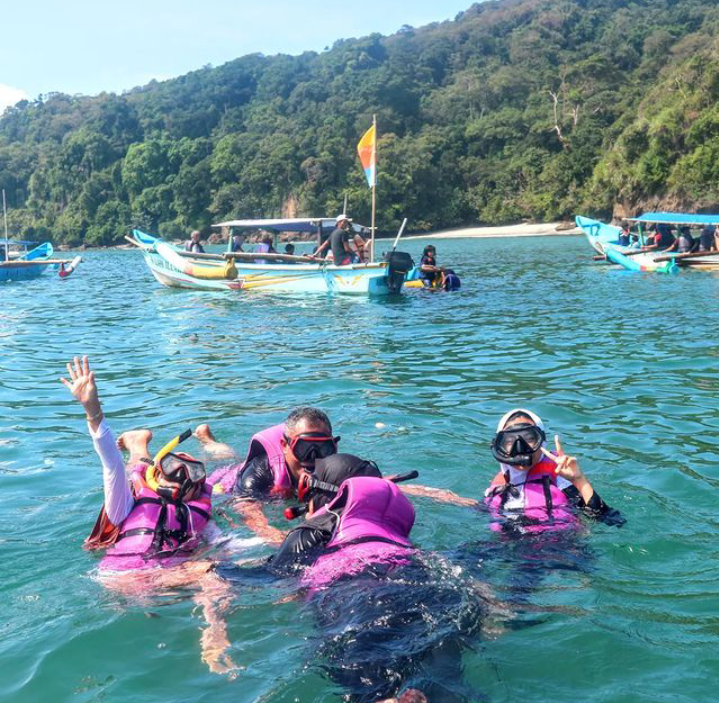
(428,248)
(312,416)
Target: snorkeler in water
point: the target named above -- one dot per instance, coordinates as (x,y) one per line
(535,489)
(152,524)
(388,621)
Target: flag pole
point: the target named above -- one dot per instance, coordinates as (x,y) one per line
(4,214)
(374,184)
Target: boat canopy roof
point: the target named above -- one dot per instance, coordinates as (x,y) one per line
(296,224)
(18,242)
(676,218)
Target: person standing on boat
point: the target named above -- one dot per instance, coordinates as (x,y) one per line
(339,242)
(193,243)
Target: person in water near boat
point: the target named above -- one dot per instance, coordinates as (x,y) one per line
(428,268)
(152,525)
(338,242)
(535,489)
(449,281)
(275,461)
(193,243)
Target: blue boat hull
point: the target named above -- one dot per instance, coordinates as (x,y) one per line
(21,273)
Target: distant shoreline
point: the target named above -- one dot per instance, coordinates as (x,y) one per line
(544,229)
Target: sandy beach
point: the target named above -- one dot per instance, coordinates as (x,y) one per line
(544,229)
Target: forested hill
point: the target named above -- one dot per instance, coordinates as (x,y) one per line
(516,109)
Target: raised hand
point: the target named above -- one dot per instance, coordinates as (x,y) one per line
(82,386)
(567,466)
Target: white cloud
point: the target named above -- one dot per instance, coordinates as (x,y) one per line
(10,96)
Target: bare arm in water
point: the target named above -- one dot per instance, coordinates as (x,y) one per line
(438,494)
(254,517)
(249,509)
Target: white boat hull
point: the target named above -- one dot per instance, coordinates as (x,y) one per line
(366,279)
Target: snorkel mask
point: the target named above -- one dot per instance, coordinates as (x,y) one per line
(183,471)
(517,444)
(310,446)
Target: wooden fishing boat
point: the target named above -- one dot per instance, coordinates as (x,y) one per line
(604,239)
(32,263)
(598,233)
(25,263)
(245,271)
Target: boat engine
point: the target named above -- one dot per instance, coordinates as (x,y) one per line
(398,264)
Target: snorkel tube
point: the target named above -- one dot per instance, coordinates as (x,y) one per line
(151,473)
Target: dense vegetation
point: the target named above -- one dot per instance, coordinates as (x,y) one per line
(517,109)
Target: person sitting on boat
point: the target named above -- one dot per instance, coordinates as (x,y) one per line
(362,247)
(428,269)
(662,237)
(237,241)
(624,238)
(275,461)
(339,242)
(684,243)
(193,243)
(290,249)
(707,240)
(450,280)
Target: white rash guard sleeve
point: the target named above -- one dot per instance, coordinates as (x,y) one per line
(118,496)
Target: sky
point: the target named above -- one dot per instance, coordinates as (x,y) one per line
(91,46)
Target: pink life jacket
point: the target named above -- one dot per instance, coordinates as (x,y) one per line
(158,532)
(536,504)
(264,442)
(373,526)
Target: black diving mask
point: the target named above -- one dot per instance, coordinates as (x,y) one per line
(181,467)
(517,444)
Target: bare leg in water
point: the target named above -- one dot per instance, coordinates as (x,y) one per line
(137,443)
(215,449)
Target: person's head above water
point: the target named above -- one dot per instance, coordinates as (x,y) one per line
(519,439)
(308,437)
(321,486)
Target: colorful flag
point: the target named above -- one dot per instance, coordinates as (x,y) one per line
(368,155)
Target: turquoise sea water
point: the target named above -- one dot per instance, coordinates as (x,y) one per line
(623,366)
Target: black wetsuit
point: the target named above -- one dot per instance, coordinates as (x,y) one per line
(256,479)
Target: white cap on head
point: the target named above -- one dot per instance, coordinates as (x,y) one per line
(520,411)
(341,217)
